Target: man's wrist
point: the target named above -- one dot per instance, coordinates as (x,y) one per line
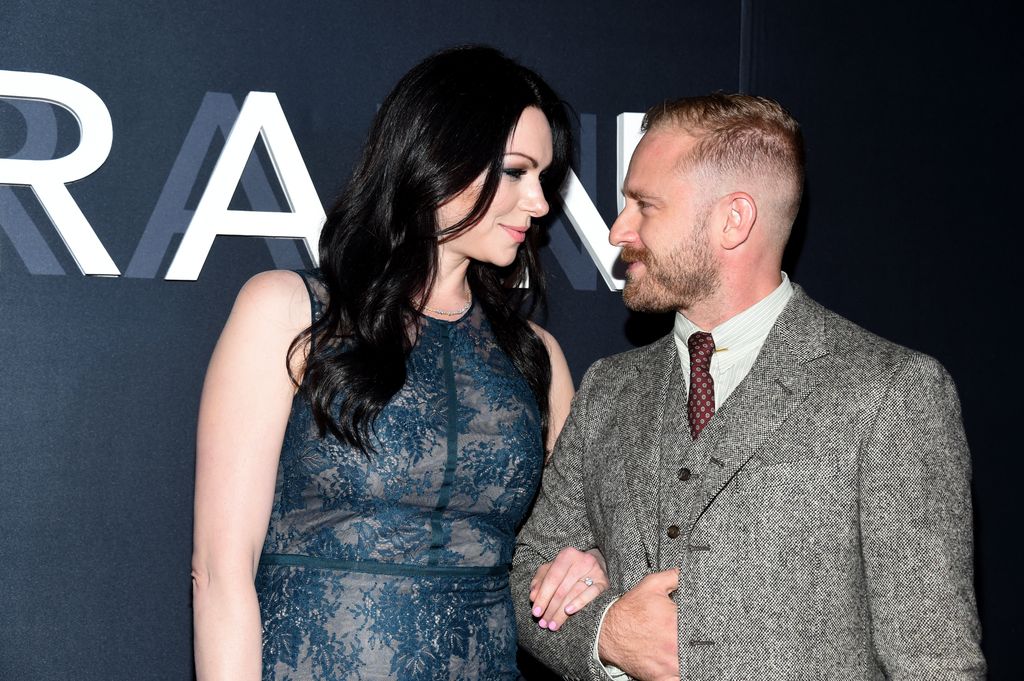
(605,639)
(611,671)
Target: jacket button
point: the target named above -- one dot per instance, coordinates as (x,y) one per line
(684,474)
(672,531)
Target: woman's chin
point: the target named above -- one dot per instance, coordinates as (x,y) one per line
(501,260)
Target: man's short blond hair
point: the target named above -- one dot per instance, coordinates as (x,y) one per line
(742,135)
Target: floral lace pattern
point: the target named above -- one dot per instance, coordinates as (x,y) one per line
(458,462)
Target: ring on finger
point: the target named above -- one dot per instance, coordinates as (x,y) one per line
(586,580)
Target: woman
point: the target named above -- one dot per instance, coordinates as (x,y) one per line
(387,416)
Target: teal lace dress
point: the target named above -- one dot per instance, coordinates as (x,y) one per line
(396,567)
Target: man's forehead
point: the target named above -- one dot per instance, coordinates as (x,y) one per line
(656,158)
(664,144)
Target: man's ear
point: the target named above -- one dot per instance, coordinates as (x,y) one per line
(740,216)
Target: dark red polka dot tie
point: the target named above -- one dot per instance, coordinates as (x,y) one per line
(700,405)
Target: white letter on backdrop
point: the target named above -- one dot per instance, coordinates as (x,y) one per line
(582,212)
(627,135)
(261,114)
(48,177)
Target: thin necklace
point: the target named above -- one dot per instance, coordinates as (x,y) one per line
(451,313)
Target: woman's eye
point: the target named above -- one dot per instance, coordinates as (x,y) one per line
(514,173)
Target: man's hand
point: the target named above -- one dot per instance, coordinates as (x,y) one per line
(560,587)
(640,632)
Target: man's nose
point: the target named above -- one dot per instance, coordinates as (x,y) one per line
(622,232)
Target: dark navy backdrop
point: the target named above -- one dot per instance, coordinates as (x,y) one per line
(100,377)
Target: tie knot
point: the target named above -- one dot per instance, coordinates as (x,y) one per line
(701,346)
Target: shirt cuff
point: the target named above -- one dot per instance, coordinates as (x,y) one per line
(611,671)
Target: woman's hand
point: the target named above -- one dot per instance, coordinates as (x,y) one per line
(566,584)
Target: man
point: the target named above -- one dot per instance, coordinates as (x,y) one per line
(778,494)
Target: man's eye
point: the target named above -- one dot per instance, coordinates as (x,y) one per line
(642,205)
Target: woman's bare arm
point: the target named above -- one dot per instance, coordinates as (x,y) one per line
(561,391)
(242,416)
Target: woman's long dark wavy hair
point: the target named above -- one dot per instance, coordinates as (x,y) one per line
(446,122)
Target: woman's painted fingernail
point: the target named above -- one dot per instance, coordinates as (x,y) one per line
(537,612)
(570,609)
(553,626)
(543,624)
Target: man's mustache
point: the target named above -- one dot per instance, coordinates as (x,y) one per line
(631,254)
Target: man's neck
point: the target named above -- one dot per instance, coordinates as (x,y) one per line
(731,299)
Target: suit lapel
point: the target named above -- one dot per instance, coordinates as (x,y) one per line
(784,374)
(639,426)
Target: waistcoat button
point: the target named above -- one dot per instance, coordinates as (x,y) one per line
(672,531)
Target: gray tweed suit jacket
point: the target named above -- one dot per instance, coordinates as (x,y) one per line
(823,529)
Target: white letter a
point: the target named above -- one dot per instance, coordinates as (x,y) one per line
(261,114)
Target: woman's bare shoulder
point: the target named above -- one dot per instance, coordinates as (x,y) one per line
(277,298)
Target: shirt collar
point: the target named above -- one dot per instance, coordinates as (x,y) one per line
(742,332)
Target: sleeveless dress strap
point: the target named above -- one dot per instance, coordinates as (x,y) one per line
(316,290)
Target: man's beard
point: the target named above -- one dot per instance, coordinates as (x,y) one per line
(677,280)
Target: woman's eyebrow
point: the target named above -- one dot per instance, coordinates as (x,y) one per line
(529,158)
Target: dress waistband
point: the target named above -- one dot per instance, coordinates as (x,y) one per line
(373,567)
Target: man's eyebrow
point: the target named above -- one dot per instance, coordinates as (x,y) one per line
(529,158)
(637,195)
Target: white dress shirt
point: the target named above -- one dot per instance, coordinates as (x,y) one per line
(738,340)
